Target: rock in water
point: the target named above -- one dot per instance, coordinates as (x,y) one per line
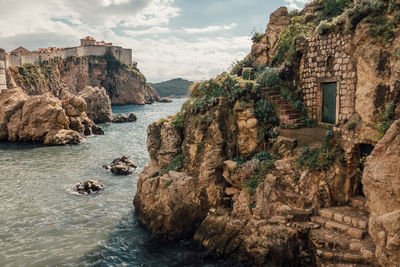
(98,104)
(165,100)
(89,187)
(121,166)
(124,118)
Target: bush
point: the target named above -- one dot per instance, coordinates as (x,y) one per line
(266,116)
(175,165)
(325,27)
(381,28)
(246,74)
(178,120)
(320,158)
(256,38)
(255,179)
(288,36)
(261,156)
(385,119)
(352,126)
(335,7)
(270,78)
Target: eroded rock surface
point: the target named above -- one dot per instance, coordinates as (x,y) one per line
(98,104)
(89,187)
(44,118)
(121,166)
(121,118)
(381,181)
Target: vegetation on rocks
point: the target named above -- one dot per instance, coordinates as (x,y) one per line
(175,165)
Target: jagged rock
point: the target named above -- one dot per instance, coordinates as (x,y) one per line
(121,166)
(121,118)
(164,100)
(89,187)
(167,204)
(44,118)
(248,130)
(381,179)
(262,52)
(98,104)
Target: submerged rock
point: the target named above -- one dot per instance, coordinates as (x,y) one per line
(124,118)
(89,187)
(121,166)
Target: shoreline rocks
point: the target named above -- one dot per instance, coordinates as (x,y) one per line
(89,187)
(121,166)
(164,100)
(122,118)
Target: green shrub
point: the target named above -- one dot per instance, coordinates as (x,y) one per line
(178,120)
(167,183)
(256,38)
(386,118)
(297,28)
(252,205)
(261,156)
(381,28)
(175,165)
(335,7)
(270,78)
(246,74)
(200,146)
(255,179)
(113,64)
(325,27)
(352,126)
(320,158)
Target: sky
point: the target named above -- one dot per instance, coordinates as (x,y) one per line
(190,39)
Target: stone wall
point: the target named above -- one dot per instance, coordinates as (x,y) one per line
(327,58)
(123,54)
(3,83)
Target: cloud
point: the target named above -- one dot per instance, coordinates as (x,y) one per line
(296,4)
(209,29)
(192,53)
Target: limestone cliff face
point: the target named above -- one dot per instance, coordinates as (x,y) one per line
(123,84)
(44,118)
(382,182)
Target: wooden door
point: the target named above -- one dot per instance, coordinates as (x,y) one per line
(329,103)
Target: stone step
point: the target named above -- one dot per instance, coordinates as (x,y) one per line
(358,202)
(344,228)
(339,257)
(276,98)
(353,217)
(273,93)
(323,238)
(285,111)
(282,102)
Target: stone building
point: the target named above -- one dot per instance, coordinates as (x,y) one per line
(3,83)
(328,78)
(89,47)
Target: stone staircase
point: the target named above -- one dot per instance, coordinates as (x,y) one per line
(287,115)
(342,239)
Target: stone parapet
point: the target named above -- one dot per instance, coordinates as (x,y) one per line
(3,81)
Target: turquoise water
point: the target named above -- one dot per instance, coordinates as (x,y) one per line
(44,223)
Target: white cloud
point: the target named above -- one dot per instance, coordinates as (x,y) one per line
(63,22)
(296,4)
(209,29)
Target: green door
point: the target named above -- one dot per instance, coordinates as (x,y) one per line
(329,103)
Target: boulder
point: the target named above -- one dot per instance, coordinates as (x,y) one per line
(44,118)
(89,187)
(121,118)
(98,104)
(121,166)
(165,100)
(381,180)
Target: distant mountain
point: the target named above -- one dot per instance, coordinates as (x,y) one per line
(173,88)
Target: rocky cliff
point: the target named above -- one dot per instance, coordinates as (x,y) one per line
(44,118)
(125,85)
(236,171)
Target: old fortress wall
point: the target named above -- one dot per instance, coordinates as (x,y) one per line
(89,47)
(123,54)
(3,84)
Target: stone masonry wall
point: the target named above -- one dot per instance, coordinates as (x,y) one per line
(123,54)
(3,82)
(327,58)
